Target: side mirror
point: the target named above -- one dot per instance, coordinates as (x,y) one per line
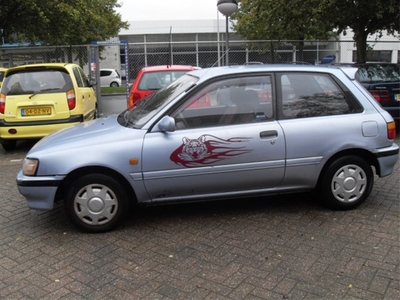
(166,124)
(92,82)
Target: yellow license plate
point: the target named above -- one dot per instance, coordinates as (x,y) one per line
(398,97)
(36,111)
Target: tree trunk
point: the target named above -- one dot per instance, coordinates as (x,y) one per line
(360,37)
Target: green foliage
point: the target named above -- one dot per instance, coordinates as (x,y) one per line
(113,90)
(363,18)
(316,19)
(59,22)
(281,19)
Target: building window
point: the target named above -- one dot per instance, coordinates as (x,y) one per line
(376,56)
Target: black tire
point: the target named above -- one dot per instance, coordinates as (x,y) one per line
(114,84)
(9,145)
(346,183)
(96,113)
(96,203)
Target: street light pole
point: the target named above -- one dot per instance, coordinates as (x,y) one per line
(227,7)
(227,41)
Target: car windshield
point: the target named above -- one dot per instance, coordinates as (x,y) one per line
(378,73)
(137,116)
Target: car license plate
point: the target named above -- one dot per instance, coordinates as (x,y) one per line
(39,111)
(397,97)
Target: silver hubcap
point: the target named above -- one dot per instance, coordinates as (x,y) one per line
(95,204)
(349,183)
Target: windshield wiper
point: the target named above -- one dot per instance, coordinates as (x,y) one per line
(43,91)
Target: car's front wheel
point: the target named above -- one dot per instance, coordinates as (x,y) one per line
(114,84)
(96,203)
(346,183)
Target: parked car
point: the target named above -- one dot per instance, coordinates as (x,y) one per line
(321,130)
(2,71)
(150,79)
(382,80)
(40,98)
(110,77)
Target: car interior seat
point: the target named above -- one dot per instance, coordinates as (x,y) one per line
(244,109)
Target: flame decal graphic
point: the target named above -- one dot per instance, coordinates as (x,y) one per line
(207,149)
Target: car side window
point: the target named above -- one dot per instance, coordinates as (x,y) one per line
(228,102)
(78,77)
(104,73)
(303,95)
(85,79)
(81,78)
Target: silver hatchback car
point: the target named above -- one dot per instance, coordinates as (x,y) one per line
(218,133)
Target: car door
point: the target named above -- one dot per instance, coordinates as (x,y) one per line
(217,150)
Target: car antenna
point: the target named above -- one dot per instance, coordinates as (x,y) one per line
(219,59)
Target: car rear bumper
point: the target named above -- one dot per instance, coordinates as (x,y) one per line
(39,191)
(32,130)
(387,158)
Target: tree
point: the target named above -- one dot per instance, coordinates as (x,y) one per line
(281,20)
(59,22)
(317,19)
(364,18)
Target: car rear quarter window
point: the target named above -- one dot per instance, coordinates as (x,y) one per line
(302,95)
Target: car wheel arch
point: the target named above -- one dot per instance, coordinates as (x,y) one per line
(93,170)
(362,153)
(346,182)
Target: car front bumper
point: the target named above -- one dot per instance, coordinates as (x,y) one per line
(39,191)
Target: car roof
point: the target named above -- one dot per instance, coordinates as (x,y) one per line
(41,66)
(168,68)
(208,73)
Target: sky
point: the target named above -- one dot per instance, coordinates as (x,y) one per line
(146,10)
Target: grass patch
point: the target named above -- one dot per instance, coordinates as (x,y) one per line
(112,90)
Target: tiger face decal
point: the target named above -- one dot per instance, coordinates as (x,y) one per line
(208,149)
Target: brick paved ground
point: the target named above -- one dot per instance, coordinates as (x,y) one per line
(285,248)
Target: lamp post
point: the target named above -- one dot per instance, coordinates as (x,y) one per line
(227,7)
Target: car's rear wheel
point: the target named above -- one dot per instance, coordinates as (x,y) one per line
(346,183)
(9,145)
(96,203)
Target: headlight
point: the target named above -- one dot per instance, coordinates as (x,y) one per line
(30,166)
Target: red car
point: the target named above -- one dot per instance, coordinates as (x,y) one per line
(150,79)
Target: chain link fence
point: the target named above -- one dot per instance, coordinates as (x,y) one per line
(207,54)
(15,56)
(198,53)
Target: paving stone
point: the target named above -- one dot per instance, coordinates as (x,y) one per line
(280,247)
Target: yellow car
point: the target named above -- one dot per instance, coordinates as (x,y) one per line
(38,99)
(2,71)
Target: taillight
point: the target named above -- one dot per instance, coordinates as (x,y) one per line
(134,97)
(2,103)
(391,130)
(71,99)
(380,95)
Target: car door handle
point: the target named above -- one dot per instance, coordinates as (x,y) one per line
(268,134)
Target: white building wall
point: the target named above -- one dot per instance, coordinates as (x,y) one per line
(384,43)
